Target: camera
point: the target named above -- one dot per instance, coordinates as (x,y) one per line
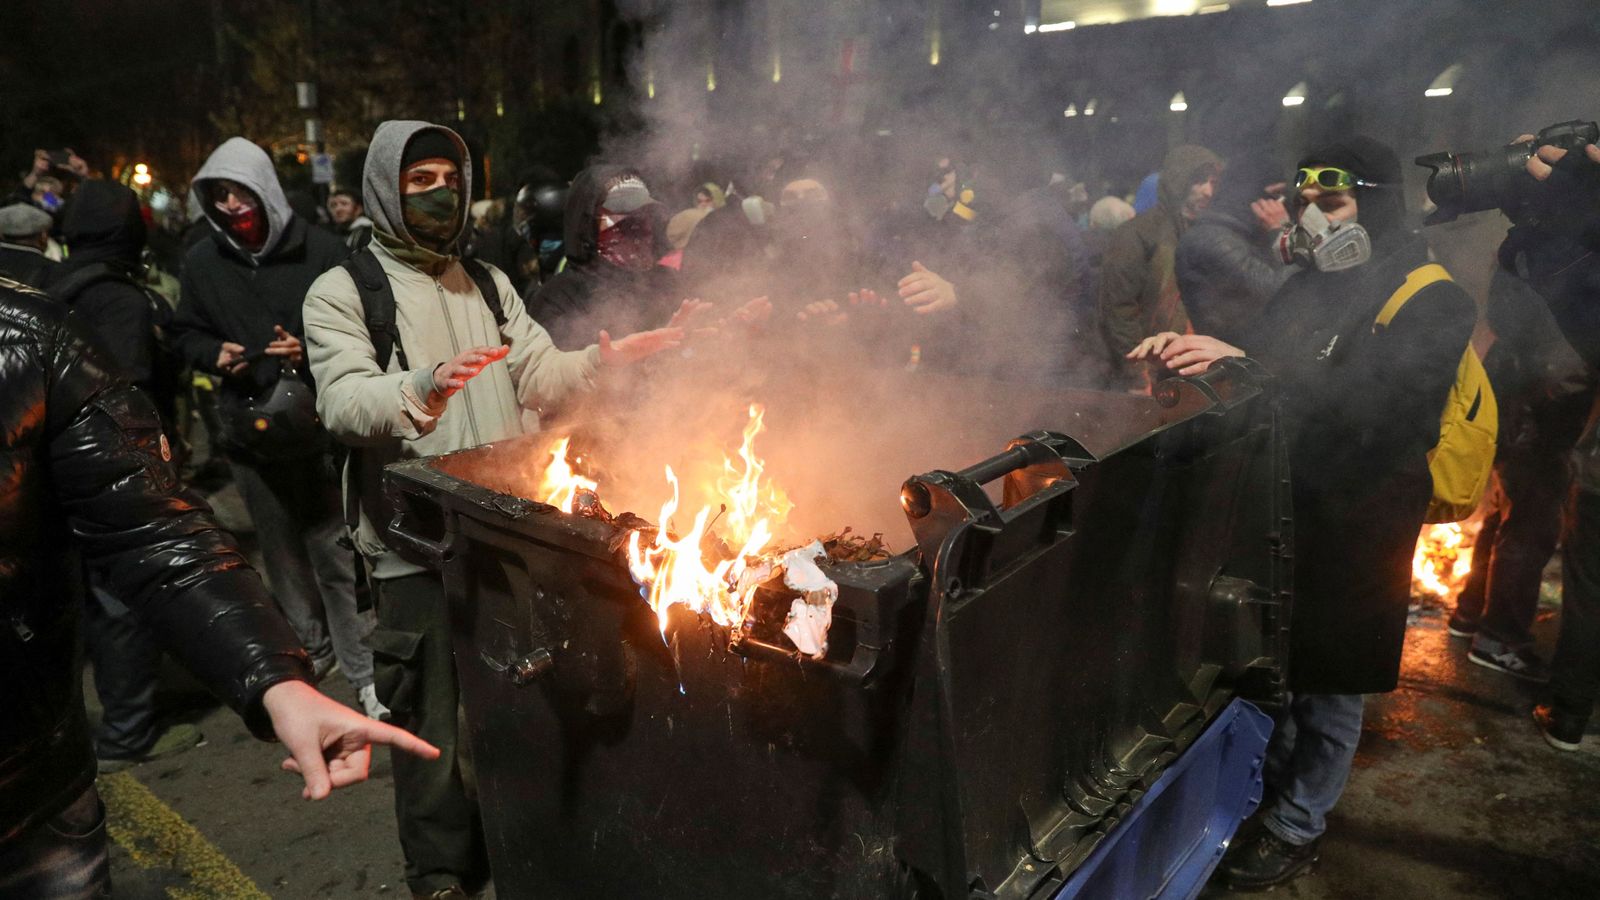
(1495,179)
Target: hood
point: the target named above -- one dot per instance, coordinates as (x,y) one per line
(380,179)
(242,161)
(1186,165)
(581,223)
(102,223)
(1380,210)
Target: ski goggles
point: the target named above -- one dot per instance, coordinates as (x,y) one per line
(1329,178)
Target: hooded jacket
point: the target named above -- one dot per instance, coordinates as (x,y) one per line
(228,293)
(1138,285)
(1360,406)
(591,293)
(86,468)
(102,226)
(1226,267)
(439,314)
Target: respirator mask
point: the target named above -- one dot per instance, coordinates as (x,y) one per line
(1318,243)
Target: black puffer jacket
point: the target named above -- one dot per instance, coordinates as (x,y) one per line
(87,468)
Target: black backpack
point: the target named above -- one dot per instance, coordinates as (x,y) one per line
(166,366)
(378,308)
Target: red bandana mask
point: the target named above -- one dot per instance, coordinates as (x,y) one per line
(627,240)
(248,226)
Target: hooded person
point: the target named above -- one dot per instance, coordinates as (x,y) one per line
(238,317)
(613,240)
(458,368)
(24,238)
(1361,406)
(1226,265)
(1138,293)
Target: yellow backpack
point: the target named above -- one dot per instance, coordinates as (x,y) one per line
(1460,463)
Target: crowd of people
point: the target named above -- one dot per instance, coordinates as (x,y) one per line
(403,319)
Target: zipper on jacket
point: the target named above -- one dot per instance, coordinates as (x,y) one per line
(455,347)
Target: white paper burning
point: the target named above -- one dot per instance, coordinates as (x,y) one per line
(811,614)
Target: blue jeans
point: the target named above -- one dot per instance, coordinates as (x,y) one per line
(66,858)
(1308,763)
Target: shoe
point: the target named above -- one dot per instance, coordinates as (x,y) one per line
(1517,661)
(1561,730)
(174,740)
(1266,860)
(322,668)
(1461,628)
(370,703)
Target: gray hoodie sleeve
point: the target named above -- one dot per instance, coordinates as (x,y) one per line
(358,402)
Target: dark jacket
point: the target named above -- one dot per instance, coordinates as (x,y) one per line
(591,294)
(1227,271)
(230,294)
(26,265)
(102,228)
(1138,289)
(1361,409)
(87,468)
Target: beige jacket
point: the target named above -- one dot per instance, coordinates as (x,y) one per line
(438,318)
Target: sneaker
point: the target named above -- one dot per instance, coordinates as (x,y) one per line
(322,668)
(174,740)
(1561,730)
(1459,627)
(1517,661)
(1265,860)
(371,704)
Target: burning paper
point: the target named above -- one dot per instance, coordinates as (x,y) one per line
(811,613)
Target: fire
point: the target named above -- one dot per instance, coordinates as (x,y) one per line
(561,483)
(712,572)
(1442,561)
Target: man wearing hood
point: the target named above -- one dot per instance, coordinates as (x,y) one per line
(1138,284)
(1361,407)
(460,369)
(238,317)
(1226,264)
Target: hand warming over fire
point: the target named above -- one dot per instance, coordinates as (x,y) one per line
(926,291)
(1153,345)
(452,376)
(1192,354)
(640,345)
(330,744)
(688,311)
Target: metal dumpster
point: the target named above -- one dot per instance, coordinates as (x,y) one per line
(993,702)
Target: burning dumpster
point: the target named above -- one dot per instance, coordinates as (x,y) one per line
(981,714)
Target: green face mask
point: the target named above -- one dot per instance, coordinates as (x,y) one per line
(430,216)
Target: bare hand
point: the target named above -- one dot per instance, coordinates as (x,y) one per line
(230,359)
(868,298)
(330,744)
(286,345)
(753,313)
(1543,160)
(639,345)
(41,164)
(687,311)
(1192,354)
(1271,215)
(825,311)
(926,291)
(452,376)
(1153,345)
(76,163)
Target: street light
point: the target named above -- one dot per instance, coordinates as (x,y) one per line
(1445,84)
(1296,95)
(141,175)
(1178,104)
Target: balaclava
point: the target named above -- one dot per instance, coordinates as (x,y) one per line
(627,229)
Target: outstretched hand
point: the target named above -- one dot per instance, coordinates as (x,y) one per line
(927,291)
(1192,354)
(330,744)
(1153,345)
(452,376)
(637,346)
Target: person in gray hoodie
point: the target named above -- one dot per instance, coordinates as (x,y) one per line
(238,317)
(456,375)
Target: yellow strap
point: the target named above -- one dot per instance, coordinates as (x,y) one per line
(1420,277)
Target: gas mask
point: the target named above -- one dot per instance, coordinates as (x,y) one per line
(1318,243)
(627,240)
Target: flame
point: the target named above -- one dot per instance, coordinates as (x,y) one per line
(699,568)
(561,482)
(1442,561)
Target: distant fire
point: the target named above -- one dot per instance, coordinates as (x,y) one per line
(1442,561)
(715,566)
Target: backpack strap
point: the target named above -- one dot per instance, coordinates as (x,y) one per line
(66,290)
(377,306)
(1420,277)
(484,279)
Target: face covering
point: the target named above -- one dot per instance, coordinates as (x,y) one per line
(49,201)
(1317,243)
(430,215)
(247,225)
(627,241)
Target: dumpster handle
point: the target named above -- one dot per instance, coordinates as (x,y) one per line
(436,552)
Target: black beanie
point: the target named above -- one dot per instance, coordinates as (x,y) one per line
(1382,208)
(431,143)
